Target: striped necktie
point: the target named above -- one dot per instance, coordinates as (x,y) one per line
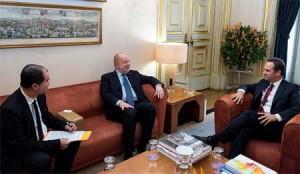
(264,100)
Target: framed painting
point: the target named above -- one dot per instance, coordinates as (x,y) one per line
(35,25)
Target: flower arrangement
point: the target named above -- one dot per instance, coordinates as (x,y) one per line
(243,46)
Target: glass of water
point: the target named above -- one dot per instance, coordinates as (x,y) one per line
(184,160)
(153,150)
(217,159)
(109,163)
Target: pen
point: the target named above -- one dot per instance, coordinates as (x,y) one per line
(68,123)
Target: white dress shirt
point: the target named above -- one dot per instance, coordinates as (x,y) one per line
(30,104)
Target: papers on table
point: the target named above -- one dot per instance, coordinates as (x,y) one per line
(71,136)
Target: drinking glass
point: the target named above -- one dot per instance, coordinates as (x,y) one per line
(189,91)
(217,159)
(218,152)
(109,163)
(153,155)
(184,160)
(153,150)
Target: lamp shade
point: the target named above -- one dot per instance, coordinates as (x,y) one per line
(171,53)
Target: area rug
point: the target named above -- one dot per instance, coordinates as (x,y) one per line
(204,128)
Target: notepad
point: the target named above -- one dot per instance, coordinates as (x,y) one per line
(71,136)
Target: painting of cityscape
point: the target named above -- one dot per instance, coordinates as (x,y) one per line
(28,25)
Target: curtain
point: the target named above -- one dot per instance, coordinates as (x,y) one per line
(287,13)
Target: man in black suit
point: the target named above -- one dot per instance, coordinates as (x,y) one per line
(24,121)
(271,108)
(125,102)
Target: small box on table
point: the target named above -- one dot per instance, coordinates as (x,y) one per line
(70,116)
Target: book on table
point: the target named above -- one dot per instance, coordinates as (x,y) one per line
(167,146)
(244,165)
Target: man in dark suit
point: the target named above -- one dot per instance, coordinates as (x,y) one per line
(275,102)
(125,102)
(24,121)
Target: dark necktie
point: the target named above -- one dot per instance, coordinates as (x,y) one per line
(264,100)
(38,121)
(129,95)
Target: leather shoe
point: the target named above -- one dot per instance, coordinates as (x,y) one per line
(208,140)
(203,139)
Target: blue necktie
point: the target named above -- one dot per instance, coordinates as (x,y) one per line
(129,95)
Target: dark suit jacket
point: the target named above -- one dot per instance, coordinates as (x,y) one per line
(18,136)
(111,89)
(286,101)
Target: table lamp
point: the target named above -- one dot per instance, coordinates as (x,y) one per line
(171,54)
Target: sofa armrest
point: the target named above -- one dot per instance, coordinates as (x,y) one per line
(290,146)
(226,110)
(160,104)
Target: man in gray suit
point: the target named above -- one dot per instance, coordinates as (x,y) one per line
(275,102)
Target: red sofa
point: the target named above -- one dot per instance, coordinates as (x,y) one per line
(106,138)
(282,157)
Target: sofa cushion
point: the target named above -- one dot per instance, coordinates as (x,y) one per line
(84,99)
(106,137)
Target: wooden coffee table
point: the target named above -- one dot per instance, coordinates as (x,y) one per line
(180,104)
(140,164)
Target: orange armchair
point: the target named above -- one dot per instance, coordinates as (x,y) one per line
(282,157)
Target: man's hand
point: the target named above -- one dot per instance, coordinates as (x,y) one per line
(159,92)
(124,105)
(266,118)
(64,143)
(238,97)
(70,127)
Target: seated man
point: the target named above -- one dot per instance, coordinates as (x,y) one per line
(274,103)
(24,122)
(125,102)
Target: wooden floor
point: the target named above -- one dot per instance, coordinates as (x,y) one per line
(211,96)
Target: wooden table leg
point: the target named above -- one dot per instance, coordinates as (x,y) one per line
(200,116)
(172,117)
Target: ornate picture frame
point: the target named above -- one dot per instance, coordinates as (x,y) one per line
(36,25)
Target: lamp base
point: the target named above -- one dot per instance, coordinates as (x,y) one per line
(170,88)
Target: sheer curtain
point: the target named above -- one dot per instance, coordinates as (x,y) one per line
(293,53)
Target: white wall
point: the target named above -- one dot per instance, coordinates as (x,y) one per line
(252,12)
(249,12)
(129,26)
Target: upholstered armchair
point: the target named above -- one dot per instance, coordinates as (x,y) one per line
(282,157)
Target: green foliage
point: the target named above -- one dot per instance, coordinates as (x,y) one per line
(243,46)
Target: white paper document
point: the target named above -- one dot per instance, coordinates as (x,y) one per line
(71,136)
